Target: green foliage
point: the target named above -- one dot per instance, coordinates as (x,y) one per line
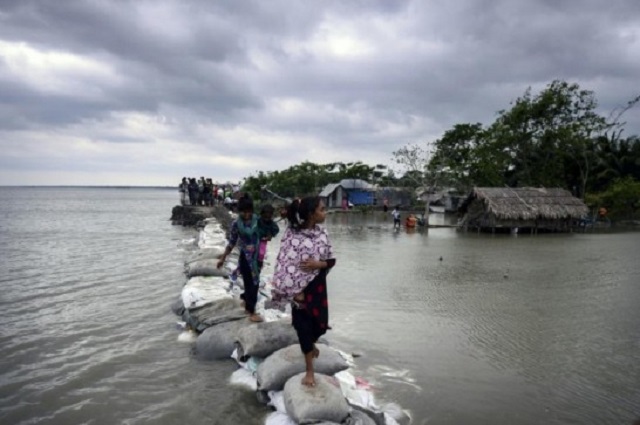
(622,198)
(552,139)
(305,179)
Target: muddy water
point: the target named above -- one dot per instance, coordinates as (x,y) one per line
(502,330)
(492,329)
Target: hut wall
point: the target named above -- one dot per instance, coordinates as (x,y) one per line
(360,197)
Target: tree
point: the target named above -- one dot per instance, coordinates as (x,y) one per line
(548,133)
(414,160)
(466,157)
(622,198)
(545,140)
(306,178)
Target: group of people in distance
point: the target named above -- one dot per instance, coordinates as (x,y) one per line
(203,192)
(410,222)
(300,275)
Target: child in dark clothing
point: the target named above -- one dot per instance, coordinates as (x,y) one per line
(267,229)
(245,233)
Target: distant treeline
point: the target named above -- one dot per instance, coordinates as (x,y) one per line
(552,139)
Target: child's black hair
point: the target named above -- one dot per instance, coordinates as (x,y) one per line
(245,203)
(267,209)
(300,210)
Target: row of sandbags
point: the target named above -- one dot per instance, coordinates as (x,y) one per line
(269,353)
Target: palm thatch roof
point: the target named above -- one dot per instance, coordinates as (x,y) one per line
(528,203)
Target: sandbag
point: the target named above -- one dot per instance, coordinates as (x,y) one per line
(209,238)
(323,402)
(397,413)
(206,254)
(276,370)
(206,267)
(218,342)
(265,338)
(202,290)
(178,306)
(221,311)
(357,417)
(372,412)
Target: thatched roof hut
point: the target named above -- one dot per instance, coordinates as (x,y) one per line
(491,208)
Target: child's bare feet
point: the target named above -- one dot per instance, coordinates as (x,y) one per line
(255,318)
(309,380)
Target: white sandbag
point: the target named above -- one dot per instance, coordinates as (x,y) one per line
(206,254)
(206,267)
(271,315)
(397,413)
(375,416)
(218,342)
(322,402)
(187,336)
(208,238)
(278,418)
(276,400)
(243,377)
(263,339)
(276,369)
(202,290)
(356,395)
(388,420)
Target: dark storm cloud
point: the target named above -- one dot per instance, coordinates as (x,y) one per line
(266,84)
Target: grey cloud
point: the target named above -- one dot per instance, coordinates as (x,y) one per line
(207,71)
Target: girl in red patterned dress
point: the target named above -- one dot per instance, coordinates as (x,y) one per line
(300,276)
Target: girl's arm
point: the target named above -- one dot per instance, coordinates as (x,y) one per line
(310,265)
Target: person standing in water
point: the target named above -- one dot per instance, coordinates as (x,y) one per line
(396,216)
(300,277)
(245,233)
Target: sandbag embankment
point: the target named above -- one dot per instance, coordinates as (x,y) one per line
(205,267)
(274,372)
(212,253)
(218,342)
(323,402)
(265,338)
(209,301)
(213,314)
(188,215)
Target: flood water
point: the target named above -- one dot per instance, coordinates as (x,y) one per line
(458,328)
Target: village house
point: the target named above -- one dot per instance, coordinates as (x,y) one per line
(356,191)
(525,208)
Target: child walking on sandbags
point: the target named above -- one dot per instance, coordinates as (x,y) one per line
(245,233)
(268,230)
(300,276)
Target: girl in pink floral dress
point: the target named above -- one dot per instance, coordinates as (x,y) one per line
(300,276)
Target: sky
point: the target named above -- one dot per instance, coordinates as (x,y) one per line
(142,93)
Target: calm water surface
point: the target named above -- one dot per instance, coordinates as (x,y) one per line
(502,330)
